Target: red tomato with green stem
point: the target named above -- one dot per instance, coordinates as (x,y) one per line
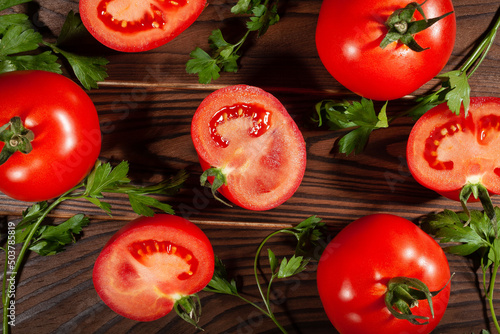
(349,36)
(358,269)
(134,26)
(447,152)
(52,118)
(245,137)
(151,263)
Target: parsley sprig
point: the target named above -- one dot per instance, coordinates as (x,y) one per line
(455,91)
(310,243)
(359,118)
(46,239)
(22,48)
(470,233)
(225,55)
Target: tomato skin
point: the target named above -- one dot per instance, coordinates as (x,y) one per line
(145,289)
(348,35)
(356,266)
(172,21)
(274,161)
(67,134)
(472,148)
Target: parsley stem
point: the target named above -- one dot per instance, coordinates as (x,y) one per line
(6,297)
(490,293)
(481,51)
(255,270)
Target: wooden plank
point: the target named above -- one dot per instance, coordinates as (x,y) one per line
(56,293)
(145,108)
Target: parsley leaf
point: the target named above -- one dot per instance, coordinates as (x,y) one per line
(48,239)
(105,179)
(451,227)
(225,55)
(458,91)
(4,4)
(88,70)
(291,267)
(20,48)
(311,229)
(358,117)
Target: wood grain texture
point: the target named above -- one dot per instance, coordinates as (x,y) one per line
(145,109)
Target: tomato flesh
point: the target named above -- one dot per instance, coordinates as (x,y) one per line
(260,118)
(131,26)
(150,263)
(358,263)
(446,151)
(247,133)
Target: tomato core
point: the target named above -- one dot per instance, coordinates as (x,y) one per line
(144,252)
(111,13)
(260,120)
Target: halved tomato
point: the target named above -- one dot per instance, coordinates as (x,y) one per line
(247,134)
(150,263)
(447,151)
(132,26)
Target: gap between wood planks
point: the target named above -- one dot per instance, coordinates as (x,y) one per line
(256,225)
(213,87)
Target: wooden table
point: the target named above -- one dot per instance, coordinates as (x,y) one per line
(145,109)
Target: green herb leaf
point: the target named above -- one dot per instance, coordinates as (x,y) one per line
(291,267)
(48,239)
(359,117)
(458,91)
(450,227)
(220,282)
(104,178)
(242,7)
(225,55)
(141,205)
(72,29)
(4,4)
(88,70)
(18,39)
(8,20)
(310,238)
(273,262)
(203,65)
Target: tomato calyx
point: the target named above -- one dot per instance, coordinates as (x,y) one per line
(404,293)
(402,27)
(16,138)
(189,309)
(219,179)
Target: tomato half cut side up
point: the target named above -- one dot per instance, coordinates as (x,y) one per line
(248,135)
(447,151)
(150,263)
(134,26)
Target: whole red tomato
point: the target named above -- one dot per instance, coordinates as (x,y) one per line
(247,134)
(150,263)
(65,126)
(133,26)
(446,151)
(355,269)
(348,37)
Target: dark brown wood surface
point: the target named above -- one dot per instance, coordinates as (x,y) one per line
(145,109)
